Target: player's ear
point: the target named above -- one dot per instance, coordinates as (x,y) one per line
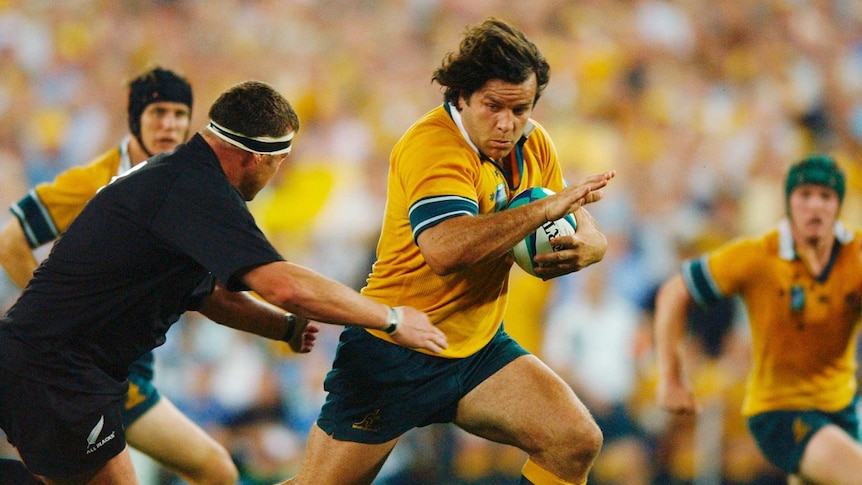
(252,159)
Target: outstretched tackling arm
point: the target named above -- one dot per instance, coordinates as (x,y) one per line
(317,297)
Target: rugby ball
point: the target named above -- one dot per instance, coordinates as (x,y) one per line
(539,242)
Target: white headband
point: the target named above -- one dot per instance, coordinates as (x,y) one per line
(265,145)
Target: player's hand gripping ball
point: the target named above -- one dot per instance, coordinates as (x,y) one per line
(539,242)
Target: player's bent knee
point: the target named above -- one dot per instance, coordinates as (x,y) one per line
(573,438)
(592,440)
(583,441)
(576,443)
(220,469)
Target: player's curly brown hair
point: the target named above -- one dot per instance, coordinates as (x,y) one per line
(493,49)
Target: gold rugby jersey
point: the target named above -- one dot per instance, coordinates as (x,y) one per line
(803,326)
(49,208)
(436,173)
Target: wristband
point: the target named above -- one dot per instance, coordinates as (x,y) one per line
(291,327)
(395,317)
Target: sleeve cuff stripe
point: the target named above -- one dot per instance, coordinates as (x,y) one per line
(700,283)
(35,220)
(429,204)
(434,210)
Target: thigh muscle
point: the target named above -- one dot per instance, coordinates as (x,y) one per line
(524,404)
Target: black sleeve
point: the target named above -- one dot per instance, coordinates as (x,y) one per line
(207,219)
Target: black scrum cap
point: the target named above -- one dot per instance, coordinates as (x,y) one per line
(154,86)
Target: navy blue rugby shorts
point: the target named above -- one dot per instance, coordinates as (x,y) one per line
(783,435)
(377,390)
(60,433)
(142,395)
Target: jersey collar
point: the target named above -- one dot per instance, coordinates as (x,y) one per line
(125,160)
(786,248)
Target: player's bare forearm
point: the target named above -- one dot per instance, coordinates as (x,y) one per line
(244,312)
(462,242)
(672,302)
(317,297)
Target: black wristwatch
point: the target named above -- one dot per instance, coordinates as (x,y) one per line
(291,327)
(394,321)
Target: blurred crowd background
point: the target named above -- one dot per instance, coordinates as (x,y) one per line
(700,106)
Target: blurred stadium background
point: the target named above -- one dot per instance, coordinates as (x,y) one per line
(700,105)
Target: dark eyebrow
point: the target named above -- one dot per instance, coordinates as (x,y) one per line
(495,100)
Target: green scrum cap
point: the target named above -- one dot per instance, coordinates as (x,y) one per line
(816,169)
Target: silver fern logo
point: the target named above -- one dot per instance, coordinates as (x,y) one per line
(97,430)
(92,444)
